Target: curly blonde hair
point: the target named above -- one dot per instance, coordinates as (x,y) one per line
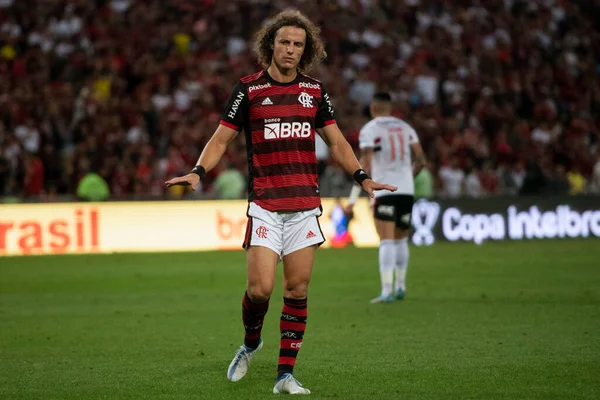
(314,49)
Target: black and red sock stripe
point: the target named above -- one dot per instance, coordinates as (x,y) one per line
(292,326)
(253,315)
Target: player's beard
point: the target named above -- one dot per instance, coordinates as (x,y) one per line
(285,66)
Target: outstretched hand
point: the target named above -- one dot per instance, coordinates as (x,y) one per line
(188,180)
(370,186)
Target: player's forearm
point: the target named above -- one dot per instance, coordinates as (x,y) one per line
(212,153)
(344,155)
(419,164)
(366,164)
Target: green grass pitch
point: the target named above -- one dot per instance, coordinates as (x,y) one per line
(497,321)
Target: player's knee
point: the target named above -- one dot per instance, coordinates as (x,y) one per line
(296,291)
(401,234)
(387,236)
(259,293)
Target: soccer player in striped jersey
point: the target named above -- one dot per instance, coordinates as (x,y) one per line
(392,153)
(280,110)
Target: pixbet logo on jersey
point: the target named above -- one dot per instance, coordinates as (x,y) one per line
(308,85)
(257,87)
(284,130)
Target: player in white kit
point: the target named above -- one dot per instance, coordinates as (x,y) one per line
(390,152)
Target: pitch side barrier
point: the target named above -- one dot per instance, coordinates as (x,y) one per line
(167,226)
(505,218)
(148,226)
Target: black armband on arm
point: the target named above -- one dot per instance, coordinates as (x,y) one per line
(199,170)
(360,176)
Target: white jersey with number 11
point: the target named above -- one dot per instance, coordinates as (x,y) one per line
(390,138)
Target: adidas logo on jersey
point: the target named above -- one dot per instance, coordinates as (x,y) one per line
(310,235)
(267,102)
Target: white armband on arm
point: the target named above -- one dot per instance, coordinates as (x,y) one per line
(354,194)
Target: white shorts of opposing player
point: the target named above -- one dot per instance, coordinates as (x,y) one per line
(284,233)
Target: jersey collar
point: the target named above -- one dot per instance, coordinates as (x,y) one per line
(274,82)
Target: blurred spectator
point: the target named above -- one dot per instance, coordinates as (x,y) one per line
(322,152)
(595,179)
(543,134)
(558,183)
(424,184)
(513,178)
(362,88)
(452,178)
(335,182)
(34,176)
(4,174)
(576,180)
(230,184)
(488,179)
(426,83)
(535,180)
(29,136)
(472,183)
(92,187)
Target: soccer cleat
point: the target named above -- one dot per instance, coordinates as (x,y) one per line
(382,299)
(239,365)
(286,383)
(400,294)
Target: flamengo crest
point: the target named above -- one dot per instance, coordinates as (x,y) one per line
(305,99)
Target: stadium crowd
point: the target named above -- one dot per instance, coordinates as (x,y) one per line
(504,94)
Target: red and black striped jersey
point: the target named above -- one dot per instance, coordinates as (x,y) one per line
(279,121)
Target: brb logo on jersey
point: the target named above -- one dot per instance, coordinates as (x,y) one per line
(282,130)
(305,99)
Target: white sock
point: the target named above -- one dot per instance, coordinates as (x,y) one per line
(401,263)
(387,260)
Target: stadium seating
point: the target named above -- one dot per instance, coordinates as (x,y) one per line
(504,96)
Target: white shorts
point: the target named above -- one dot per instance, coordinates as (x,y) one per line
(283,233)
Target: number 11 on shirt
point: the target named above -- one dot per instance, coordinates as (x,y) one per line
(395,135)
